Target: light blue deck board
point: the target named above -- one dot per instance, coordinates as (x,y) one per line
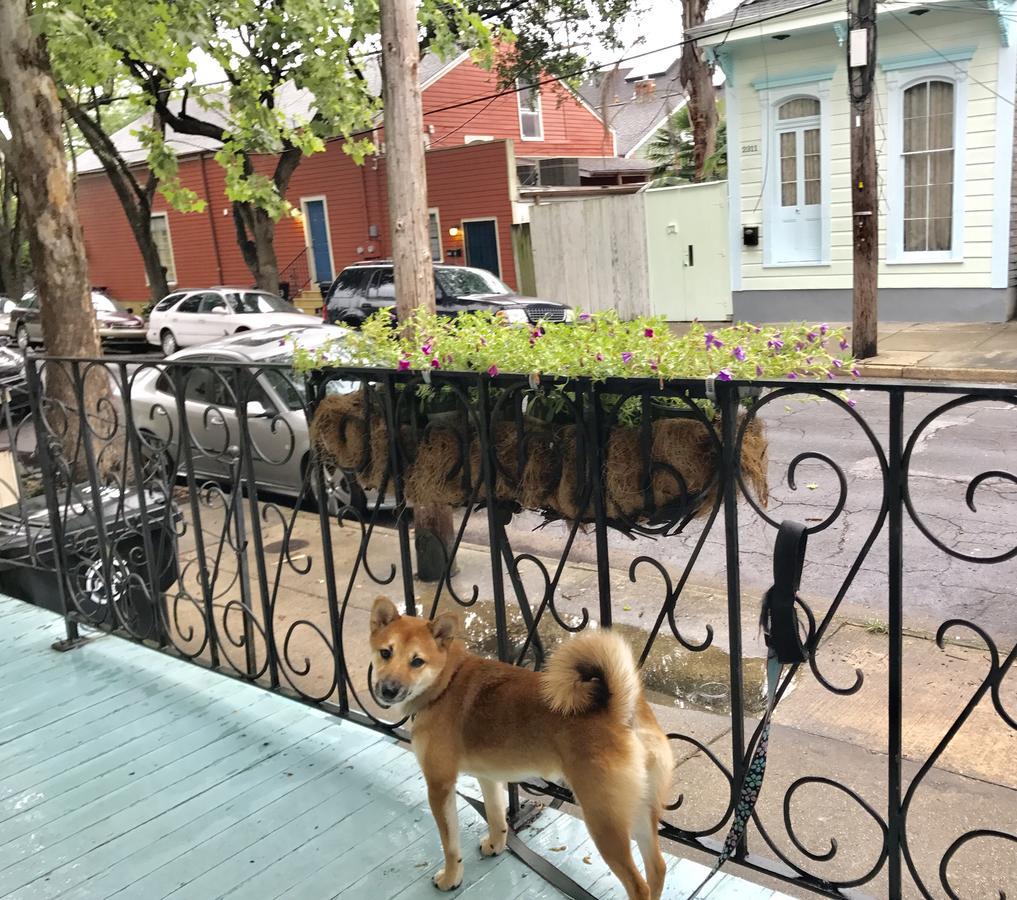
(127,773)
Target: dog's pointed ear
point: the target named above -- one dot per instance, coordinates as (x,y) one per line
(444,629)
(383,613)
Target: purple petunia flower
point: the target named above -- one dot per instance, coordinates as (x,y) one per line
(837,363)
(759,371)
(426,349)
(600,357)
(435,364)
(792,375)
(653,367)
(812,337)
(492,371)
(823,329)
(799,346)
(843,344)
(404,364)
(855,373)
(739,354)
(713,341)
(775,344)
(723,375)
(648,332)
(852,403)
(584,317)
(626,357)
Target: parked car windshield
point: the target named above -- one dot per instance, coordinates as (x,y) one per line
(258,302)
(102,303)
(464,282)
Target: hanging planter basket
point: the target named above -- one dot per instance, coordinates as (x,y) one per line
(545,467)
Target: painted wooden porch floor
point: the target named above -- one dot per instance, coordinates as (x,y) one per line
(126,773)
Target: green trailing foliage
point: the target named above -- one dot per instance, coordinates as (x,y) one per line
(599,346)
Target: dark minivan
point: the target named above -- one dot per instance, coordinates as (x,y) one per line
(364,288)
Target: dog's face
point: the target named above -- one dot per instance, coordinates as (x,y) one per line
(409,652)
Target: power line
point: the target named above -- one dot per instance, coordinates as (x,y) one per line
(942,56)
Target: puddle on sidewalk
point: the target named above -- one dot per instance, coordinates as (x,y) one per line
(673,676)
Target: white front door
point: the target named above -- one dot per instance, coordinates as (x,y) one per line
(799,221)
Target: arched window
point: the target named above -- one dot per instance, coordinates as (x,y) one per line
(928,165)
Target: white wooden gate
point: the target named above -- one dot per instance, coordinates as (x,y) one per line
(662,251)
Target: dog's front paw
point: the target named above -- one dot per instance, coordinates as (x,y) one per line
(491,847)
(448,879)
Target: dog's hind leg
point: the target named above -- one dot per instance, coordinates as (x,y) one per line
(442,797)
(648,839)
(497,824)
(610,806)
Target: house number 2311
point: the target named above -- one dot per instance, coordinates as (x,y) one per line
(750,148)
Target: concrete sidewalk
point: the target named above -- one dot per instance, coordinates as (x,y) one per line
(945,351)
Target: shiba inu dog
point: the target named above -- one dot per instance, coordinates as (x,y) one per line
(583,719)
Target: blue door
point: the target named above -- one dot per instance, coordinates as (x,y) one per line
(482,245)
(317,230)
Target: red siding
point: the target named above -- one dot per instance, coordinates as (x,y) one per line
(205,249)
(570,128)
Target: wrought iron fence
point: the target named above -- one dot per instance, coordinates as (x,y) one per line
(180,496)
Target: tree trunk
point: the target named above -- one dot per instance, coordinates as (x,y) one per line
(12,234)
(57,249)
(135,199)
(408,221)
(696,76)
(256,238)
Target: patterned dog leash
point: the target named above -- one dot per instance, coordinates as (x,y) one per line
(784,646)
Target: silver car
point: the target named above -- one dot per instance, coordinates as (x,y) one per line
(279,442)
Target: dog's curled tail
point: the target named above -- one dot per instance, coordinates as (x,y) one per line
(592,672)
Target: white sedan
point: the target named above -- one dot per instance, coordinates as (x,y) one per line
(186,318)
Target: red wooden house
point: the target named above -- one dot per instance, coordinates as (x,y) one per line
(341,214)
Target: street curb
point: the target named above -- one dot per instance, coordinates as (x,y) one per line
(932,373)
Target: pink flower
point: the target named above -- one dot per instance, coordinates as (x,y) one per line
(600,357)
(648,332)
(739,354)
(435,364)
(723,375)
(492,371)
(404,364)
(852,403)
(653,367)
(426,349)
(626,357)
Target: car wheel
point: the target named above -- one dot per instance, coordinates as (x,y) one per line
(168,342)
(21,336)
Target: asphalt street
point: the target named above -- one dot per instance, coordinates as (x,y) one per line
(957,446)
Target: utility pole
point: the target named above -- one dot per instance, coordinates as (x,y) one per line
(408,224)
(861,47)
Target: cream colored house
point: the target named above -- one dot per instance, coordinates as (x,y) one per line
(945,142)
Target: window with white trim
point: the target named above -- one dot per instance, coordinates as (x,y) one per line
(163,244)
(531,125)
(925,177)
(927,151)
(434,234)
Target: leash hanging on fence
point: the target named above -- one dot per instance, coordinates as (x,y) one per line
(784,646)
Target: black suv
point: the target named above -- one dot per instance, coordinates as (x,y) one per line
(364,288)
